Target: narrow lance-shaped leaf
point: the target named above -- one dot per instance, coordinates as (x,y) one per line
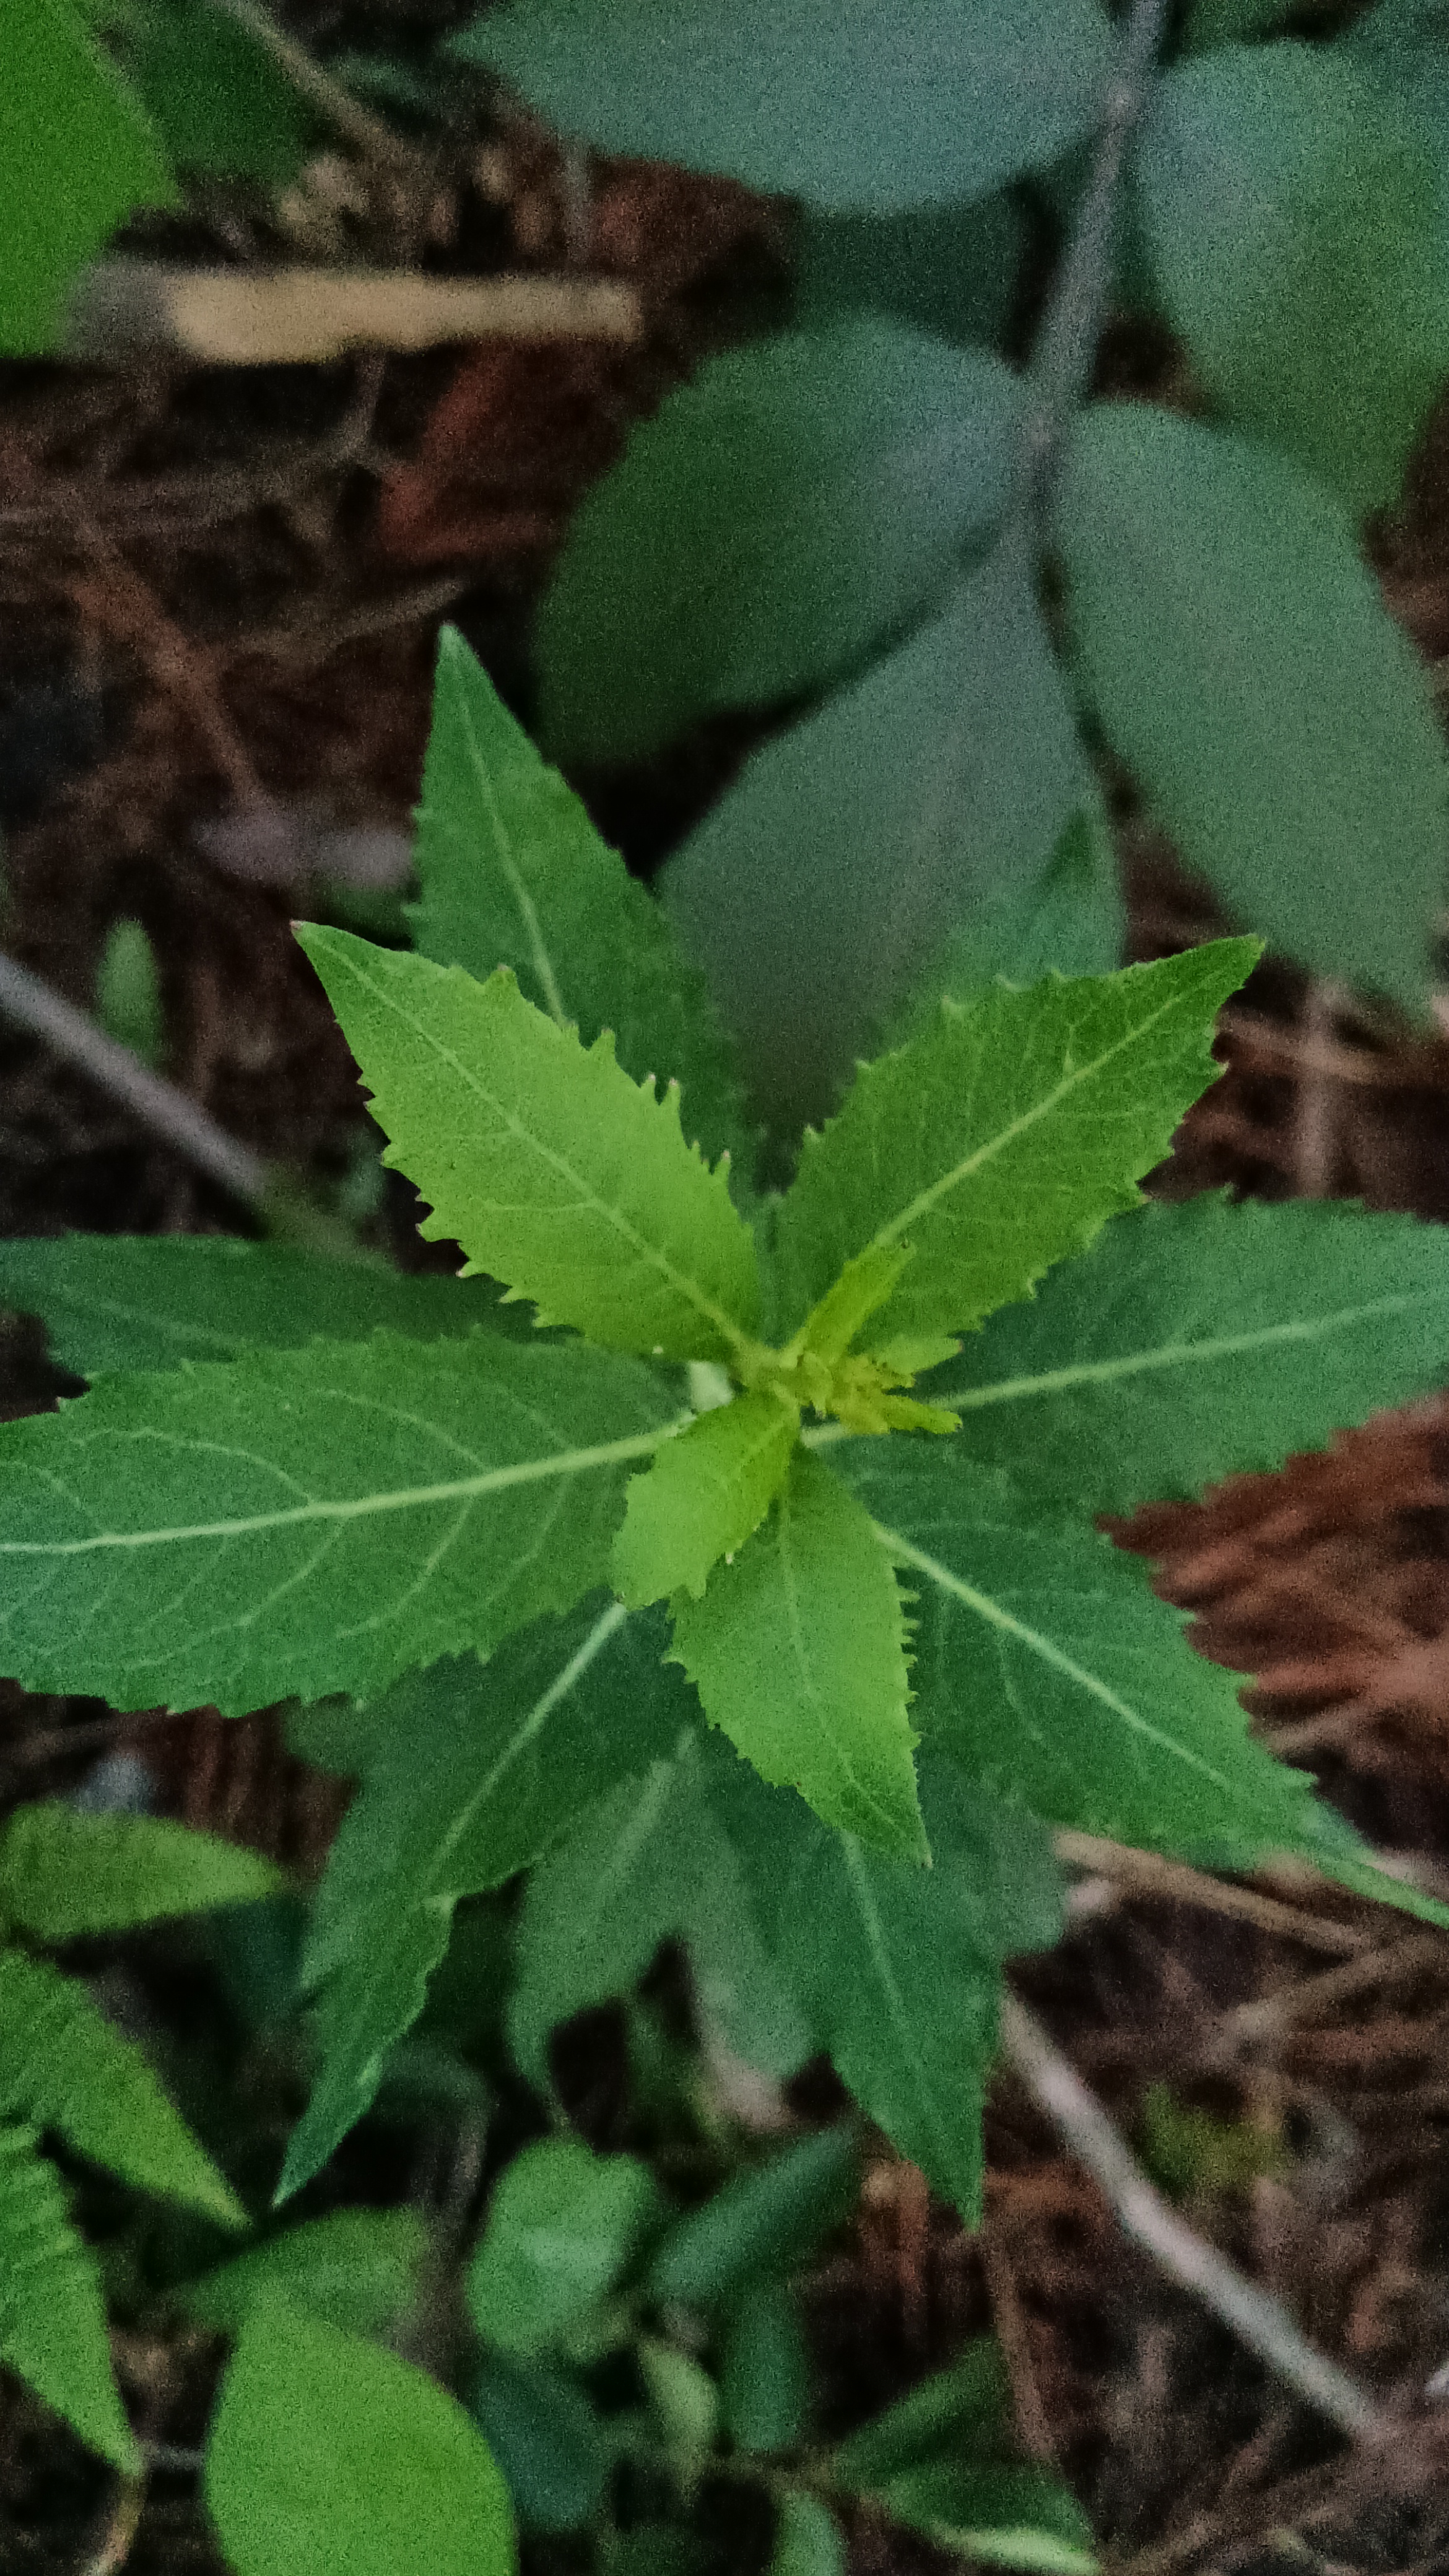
(797,1650)
(1242,661)
(305,1522)
(1003,1137)
(706,1491)
(553,1170)
(473,1771)
(52,2315)
(1047,1666)
(150,1301)
(829,100)
(1195,1342)
(64,1874)
(513,873)
(64,2068)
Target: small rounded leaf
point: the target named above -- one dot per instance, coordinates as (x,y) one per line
(563,2225)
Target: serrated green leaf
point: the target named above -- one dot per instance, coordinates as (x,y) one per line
(821,884)
(797,1650)
(1290,211)
(843,105)
(78,156)
(897,1966)
(1244,664)
(1003,1137)
(52,2318)
(649,1862)
(1201,1341)
(64,1873)
(304,1522)
(1130,1735)
(562,2227)
(514,874)
(951,270)
(471,1773)
(355,2268)
(222,105)
(708,1489)
(327,2455)
(792,504)
(64,2068)
(761,2223)
(969,2403)
(115,1301)
(1005,2516)
(553,1169)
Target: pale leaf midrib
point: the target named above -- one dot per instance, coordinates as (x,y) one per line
(528,914)
(489,1480)
(910,2055)
(651,1254)
(1168,1355)
(837,1753)
(526,1733)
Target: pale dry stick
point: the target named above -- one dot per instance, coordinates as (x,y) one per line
(1308,1997)
(1156,1876)
(167,1112)
(244,317)
(1258,2319)
(122,2524)
(1315,1119)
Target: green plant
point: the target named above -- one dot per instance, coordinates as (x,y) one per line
(65,2069)
(853,516)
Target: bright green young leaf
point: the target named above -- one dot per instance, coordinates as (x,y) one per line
(554,1170)
(797,1650)
(795,502)
(304,1522)
(514,874)
(649,1862)
(1004,2516)
(826,877)
(1201,1341)
(330,2458)
(64,1874)
(951,270)
(547,2438)
(1290,211)
(563,2226)
(708,1489)
(842,102)
(78,156)
(865,1285)
(1131,1735)
(1003,1137)
(355,2268)
(683,2400)
(967,2404)
(115,1301)
(761,2223)
(1243,663)
(764,2381)
(899,1966)
(52,2317)
(221,103)
(473,1771)
(63,2067)
(808,2539)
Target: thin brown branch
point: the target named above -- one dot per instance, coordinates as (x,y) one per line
(1157,1876)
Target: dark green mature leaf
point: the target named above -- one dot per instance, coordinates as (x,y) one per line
(115,1301)
(1195,1342)
(969,2403)
(808,2539)
(546,2437)
(563,2225)
(797,1650)
(304,1522)
(222,105)
(1002,1138)
(77,154)
(847,103)
(472,1773)
(1131,1735)
(1244,664)
(1069,922)
(327,2456)
(764,2381)
(951,270)
(649,1862)
(62,2067)
(64,1873)
(823,881)
(996,2516)
(357,2268)
(762,2222)
(554,1170)
(793,503)
(52,2316)
(1290,210)
(707,1490)
(514,874)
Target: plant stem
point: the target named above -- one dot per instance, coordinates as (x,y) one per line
(1061,367)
